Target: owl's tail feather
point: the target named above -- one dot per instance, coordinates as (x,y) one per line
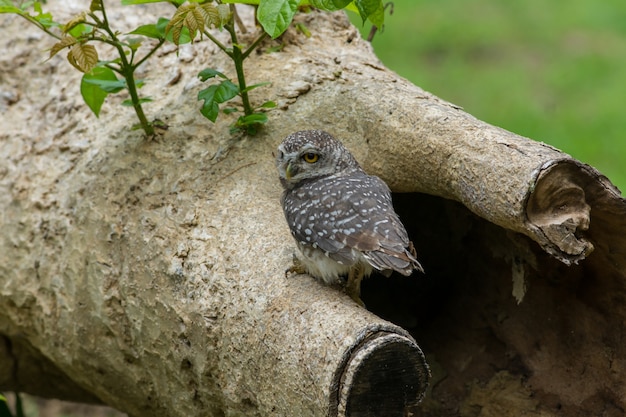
(387,261)
(413,256)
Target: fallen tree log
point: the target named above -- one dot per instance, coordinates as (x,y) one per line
(150,275)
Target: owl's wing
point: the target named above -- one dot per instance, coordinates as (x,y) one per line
(382,240)
(345,215)
(313,215)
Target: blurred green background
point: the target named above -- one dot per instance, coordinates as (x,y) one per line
(554,71)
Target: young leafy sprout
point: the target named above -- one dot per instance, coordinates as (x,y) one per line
(101,76)
(109,76)
(196,19)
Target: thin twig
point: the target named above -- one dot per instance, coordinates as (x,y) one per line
(238,20)
(149,54)
(254,44)
(218,43)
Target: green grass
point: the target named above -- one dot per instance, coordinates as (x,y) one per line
(554,71)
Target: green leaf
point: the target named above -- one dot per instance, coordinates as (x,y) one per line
(128,102)
(250,123)
(352,8)
(210,108)
(224,14)
(110,86)
(215,94)
(45,19)
(7,7)
(225,91)
(80,29)
(112,61)
(210,111)
(95,5)
(207,73)
(268,105)
(253,119)
(276,48)
(378,18)
(149,31)
(92,93)
(276,15)
(161,24)
(330,5)
(253,86)
(134,43)
(372,10)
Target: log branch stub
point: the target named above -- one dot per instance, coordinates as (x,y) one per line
(385,374)
(558,211)
(559,207)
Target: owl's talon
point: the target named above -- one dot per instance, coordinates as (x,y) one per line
(357,300)
(353,286)
(294,270)
(297,267)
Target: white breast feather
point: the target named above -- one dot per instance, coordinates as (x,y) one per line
(326,269)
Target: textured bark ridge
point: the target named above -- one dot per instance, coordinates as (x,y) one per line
(150,275)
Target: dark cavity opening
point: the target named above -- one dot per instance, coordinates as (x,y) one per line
(486,351)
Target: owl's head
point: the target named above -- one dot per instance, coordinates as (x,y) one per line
(311,154)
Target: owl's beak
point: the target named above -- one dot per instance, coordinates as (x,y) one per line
(289,171)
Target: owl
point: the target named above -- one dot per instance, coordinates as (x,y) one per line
(342,219)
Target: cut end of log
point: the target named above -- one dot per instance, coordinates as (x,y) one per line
(385,374)
(559,207)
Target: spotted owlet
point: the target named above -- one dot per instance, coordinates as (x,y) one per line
(341,218)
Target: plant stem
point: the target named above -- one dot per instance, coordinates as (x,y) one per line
(238,61)
(127,70)
(218,43)
(149,54)
(254,44)
(134,97)
(39,25)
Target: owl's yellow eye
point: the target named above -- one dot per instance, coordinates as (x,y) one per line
(310,157)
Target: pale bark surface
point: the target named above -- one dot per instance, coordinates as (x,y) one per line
(150,275)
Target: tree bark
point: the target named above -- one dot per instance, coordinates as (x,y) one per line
(150,275)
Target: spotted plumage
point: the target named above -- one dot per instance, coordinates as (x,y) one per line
(341,218)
